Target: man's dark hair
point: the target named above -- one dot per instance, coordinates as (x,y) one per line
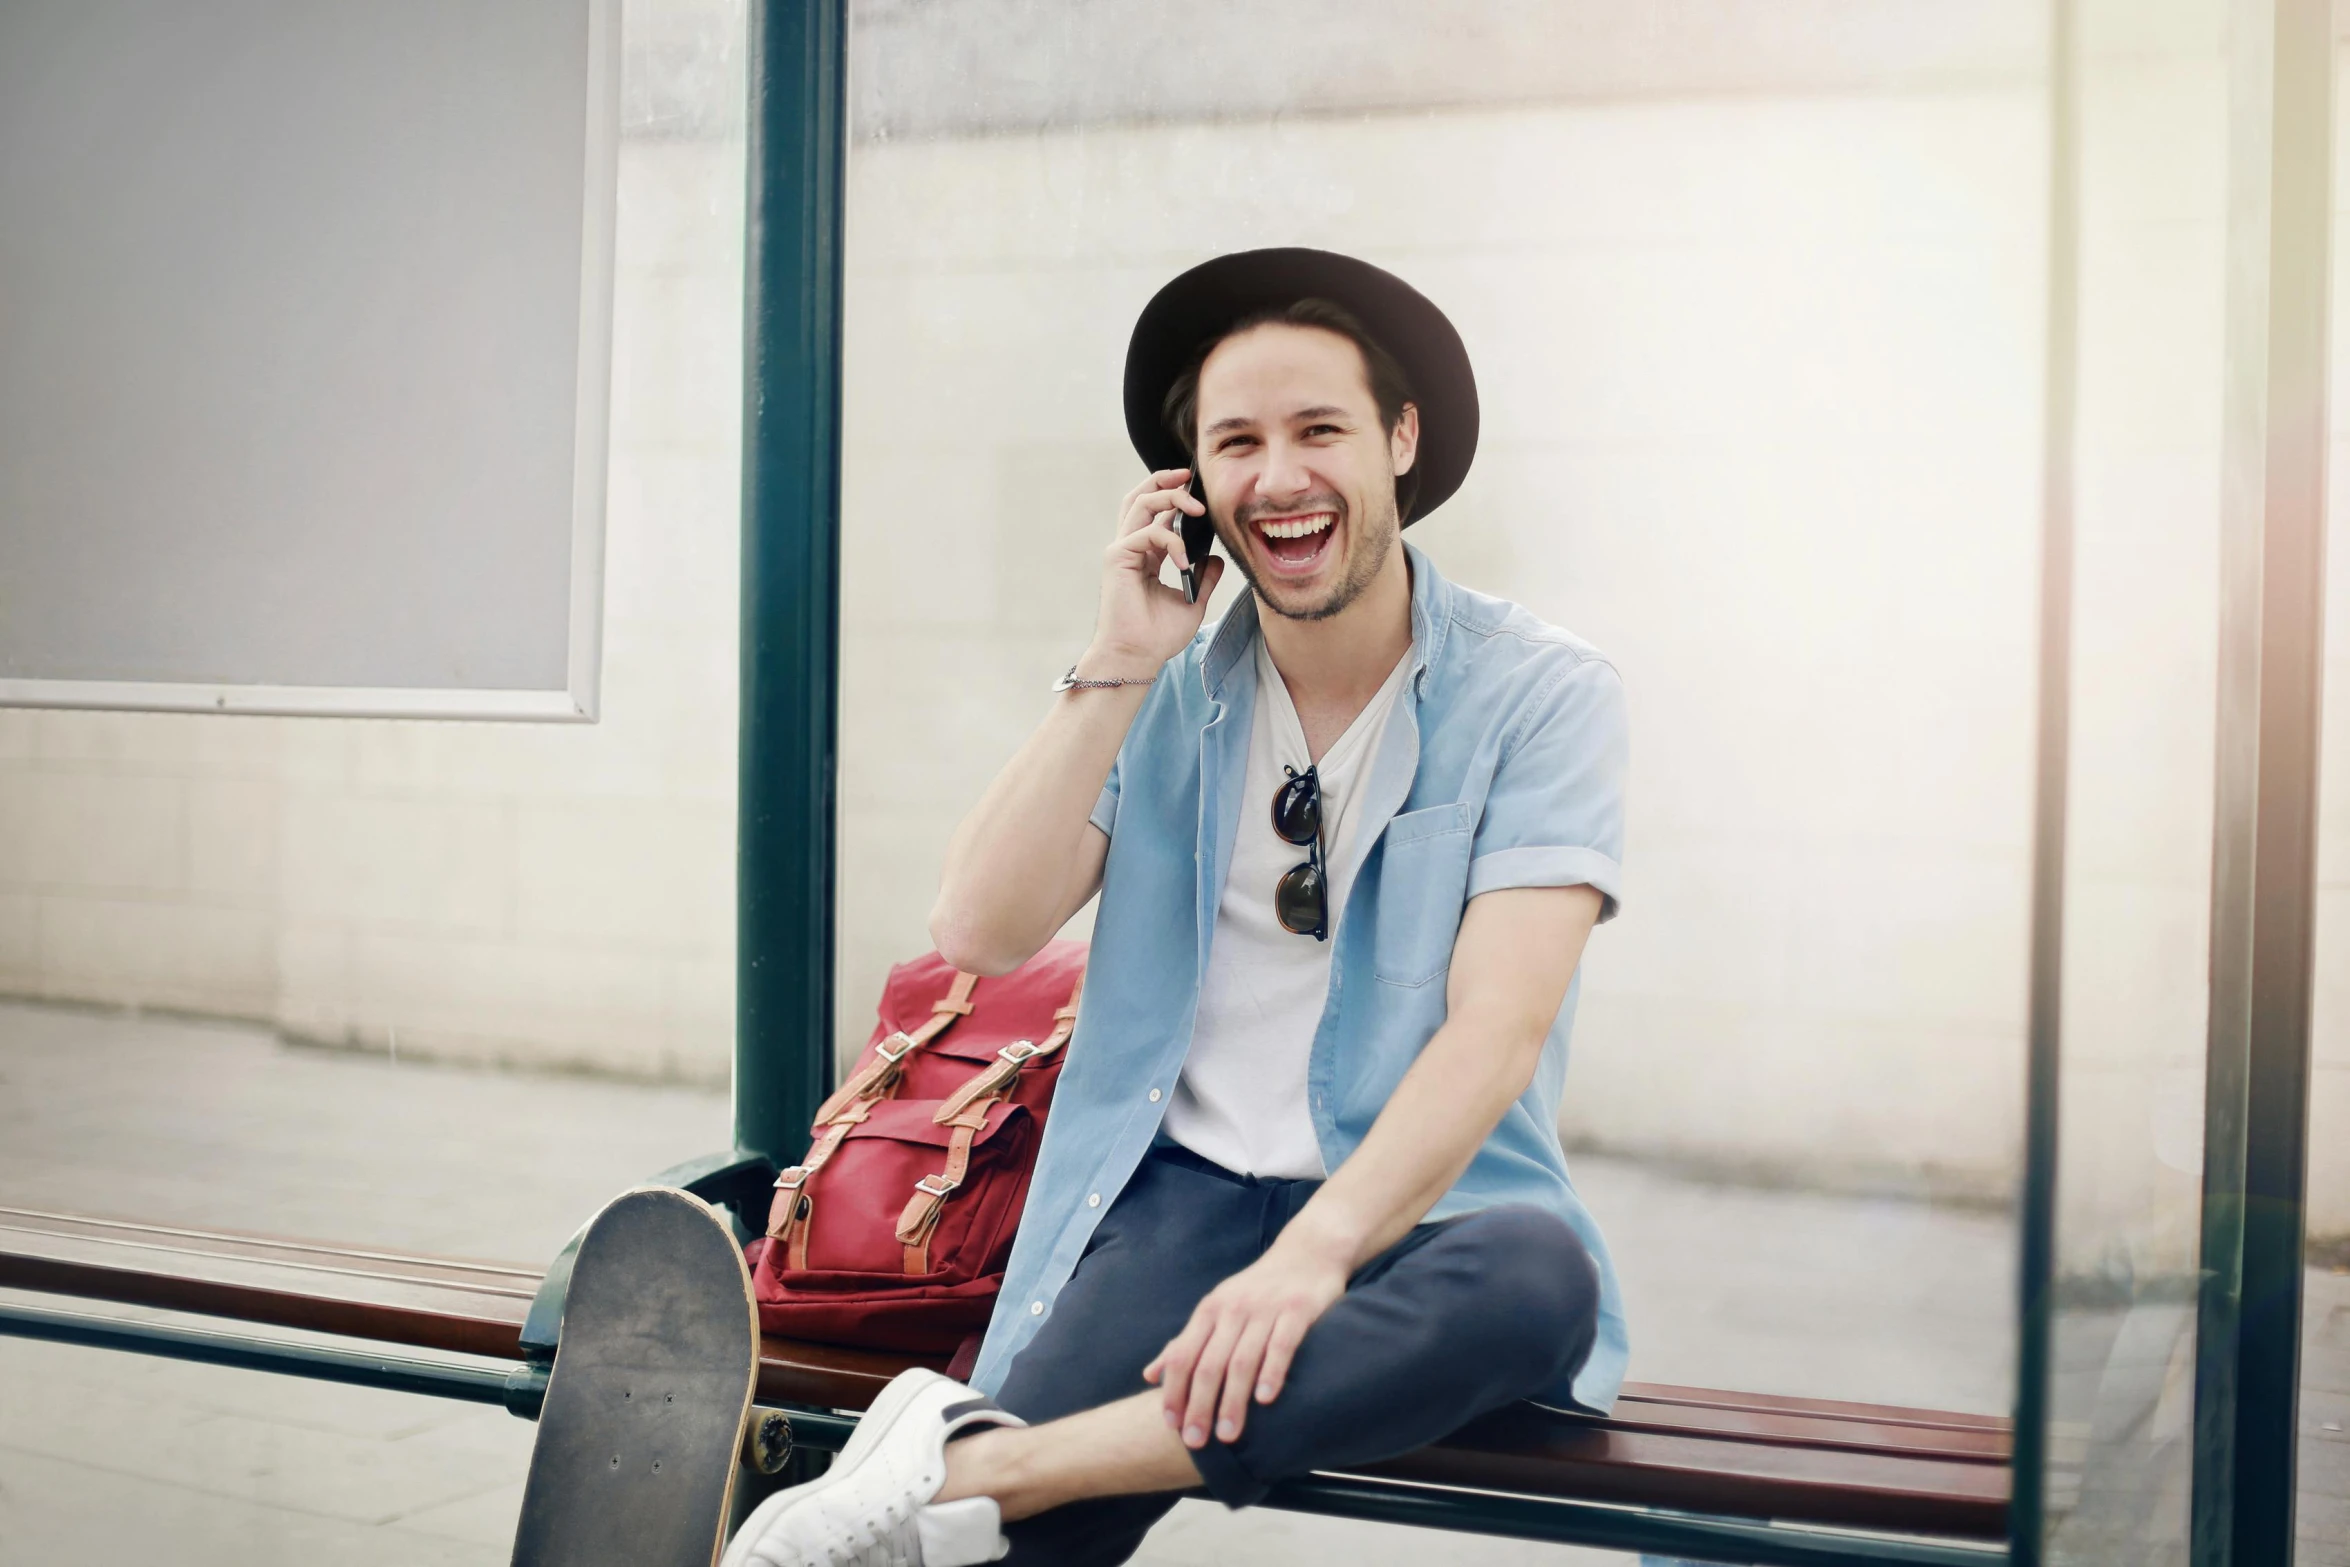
(1390,390)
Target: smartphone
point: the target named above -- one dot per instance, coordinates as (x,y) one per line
(1199,536)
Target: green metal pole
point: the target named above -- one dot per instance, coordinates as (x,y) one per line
(2036,1265)
(2272,622)
(791,574)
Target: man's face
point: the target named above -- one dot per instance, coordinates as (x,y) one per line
(1298,469)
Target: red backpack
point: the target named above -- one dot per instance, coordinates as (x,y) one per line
(894,1231)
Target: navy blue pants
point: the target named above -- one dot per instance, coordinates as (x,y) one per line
(1458,1318)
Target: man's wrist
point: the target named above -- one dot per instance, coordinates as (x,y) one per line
(1323,1238)
(1120,664)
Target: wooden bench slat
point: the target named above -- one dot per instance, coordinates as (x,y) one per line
(1698,1449)
(243,1242)
(1516,1450)
(427,1302)
(1763,1403)
(101,1244)
(1807,1428)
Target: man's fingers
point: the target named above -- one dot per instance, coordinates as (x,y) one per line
(1239,1377)
(1147,546)
(1280,1348)
(1141,509)
(1149,503)
(1174,1367)
(1174,546)
(1159,480)
(1175,1362)
(1207,1380)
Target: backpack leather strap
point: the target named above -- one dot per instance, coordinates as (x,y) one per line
(876,1077)
(794,1204)
(995,1079)
(921,1215)
(966,1111)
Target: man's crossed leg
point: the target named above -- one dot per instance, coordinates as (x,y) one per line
(1458,1318)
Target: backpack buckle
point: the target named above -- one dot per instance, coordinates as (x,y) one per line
(893,1057)
(1017,1052)
(935,1186)
(792,1179)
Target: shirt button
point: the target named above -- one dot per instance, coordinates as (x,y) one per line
(1154,1096)
(1036,1308)
(1094,1201)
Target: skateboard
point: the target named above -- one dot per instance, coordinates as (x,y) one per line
(634,1462)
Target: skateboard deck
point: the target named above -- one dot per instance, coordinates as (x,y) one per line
(634,1461)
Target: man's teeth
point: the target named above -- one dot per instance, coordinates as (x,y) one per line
(1296,527)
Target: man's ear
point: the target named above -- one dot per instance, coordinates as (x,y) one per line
(1403,442)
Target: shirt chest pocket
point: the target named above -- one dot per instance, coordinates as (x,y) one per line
(1424,872)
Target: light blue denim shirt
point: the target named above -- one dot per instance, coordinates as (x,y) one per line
(1502,766)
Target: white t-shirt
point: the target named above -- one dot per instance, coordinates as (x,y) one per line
(1241,1101)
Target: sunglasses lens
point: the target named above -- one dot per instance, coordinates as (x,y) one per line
(1297,809)
(1297,900)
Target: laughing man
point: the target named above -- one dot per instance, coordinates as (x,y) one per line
(1301,1204)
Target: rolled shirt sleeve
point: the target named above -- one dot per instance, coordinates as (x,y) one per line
(1105,809)
(1554,816)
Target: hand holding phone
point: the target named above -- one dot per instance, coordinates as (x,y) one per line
(1143,620)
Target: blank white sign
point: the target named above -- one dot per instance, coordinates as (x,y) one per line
(305,309)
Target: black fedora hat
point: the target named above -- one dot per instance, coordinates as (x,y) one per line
(1204,302)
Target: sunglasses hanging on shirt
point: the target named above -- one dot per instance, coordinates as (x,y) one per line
(1299,897)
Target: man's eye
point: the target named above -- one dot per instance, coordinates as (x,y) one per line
(1322,429)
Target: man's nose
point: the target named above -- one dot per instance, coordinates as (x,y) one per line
(1284,473)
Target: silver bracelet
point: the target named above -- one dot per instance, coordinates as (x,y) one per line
(1070,682)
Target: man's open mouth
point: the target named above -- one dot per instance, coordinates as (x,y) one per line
(1297,542)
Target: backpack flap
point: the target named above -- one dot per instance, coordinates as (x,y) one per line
(894,1161)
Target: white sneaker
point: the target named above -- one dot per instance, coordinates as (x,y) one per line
(873,1507)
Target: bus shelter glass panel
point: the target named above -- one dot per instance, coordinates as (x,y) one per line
(2151,88)
(432,986)
(1756,308)
(2322,1517)
(389,985)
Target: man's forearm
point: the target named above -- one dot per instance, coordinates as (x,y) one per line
(1513,960)
(1027,857)
(1240,1339)
(1440,1115)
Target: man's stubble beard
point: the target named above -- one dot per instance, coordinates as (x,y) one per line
(1367,553)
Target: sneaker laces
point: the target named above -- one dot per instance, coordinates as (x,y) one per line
(880,1540)
(878,1544)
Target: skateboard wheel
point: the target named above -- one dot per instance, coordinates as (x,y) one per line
(767,1441)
